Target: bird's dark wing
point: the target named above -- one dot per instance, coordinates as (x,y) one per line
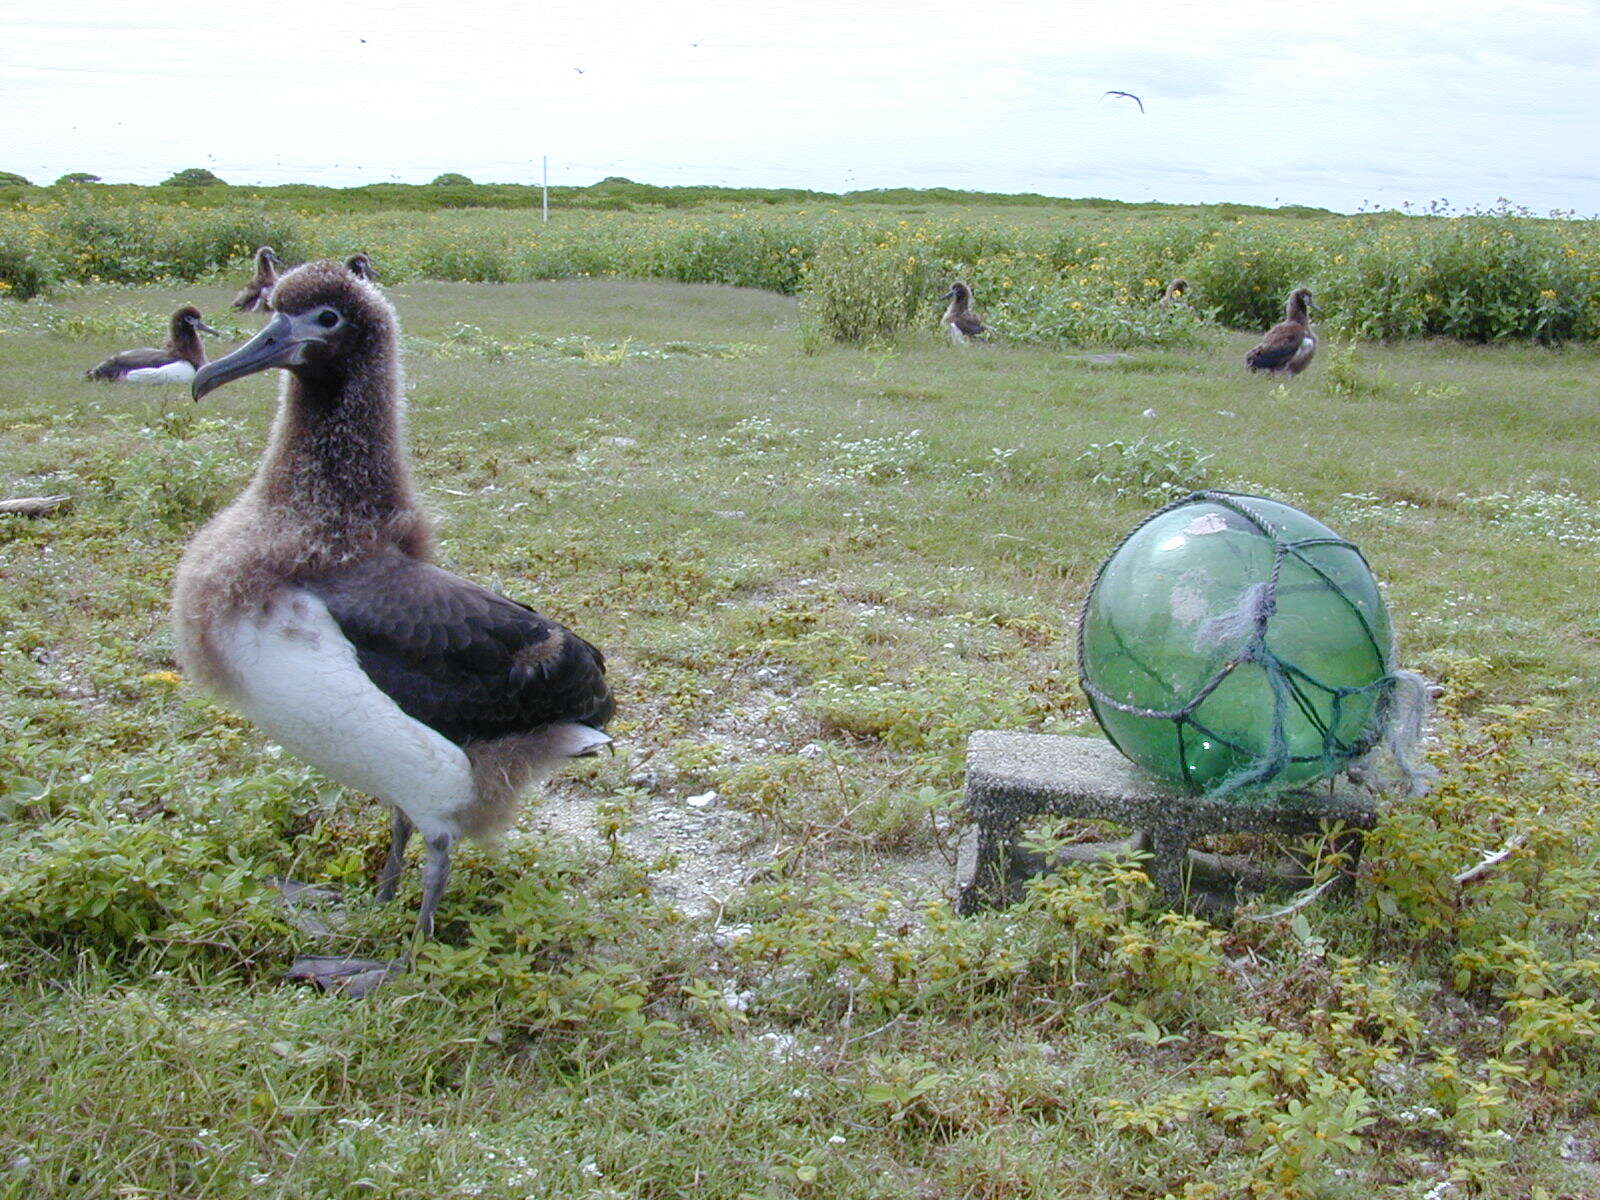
(968,324)
(1278,346)
(119,365)
(1126,96)
(460,658)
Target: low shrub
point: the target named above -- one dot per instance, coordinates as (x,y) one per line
(1246,272)
(1146,469)
(193,177)
(25,267)
(864,287)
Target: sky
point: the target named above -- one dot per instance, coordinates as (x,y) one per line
(1346,104)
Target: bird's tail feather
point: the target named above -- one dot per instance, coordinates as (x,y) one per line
(503,768)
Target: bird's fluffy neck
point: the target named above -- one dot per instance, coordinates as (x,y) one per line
(265,274)
(335,466)
(183,341)
(1297,310)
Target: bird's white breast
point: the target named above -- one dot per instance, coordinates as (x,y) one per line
(181,371)
(296,676)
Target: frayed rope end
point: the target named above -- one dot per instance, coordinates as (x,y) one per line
(1233,631)
(1403,719)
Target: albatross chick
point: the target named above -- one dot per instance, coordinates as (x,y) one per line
(312,605)
(260,287)
(175,362)
(360,264)
(1288,346)
(959,319)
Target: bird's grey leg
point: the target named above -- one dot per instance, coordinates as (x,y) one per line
(399,834)
(435,874)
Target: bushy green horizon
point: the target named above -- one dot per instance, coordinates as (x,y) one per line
(454,190)
(1050,272)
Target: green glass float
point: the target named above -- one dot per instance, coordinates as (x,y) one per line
(1232,643)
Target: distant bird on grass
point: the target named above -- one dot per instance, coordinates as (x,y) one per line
(313,606)
(959,319)
(1288,346)
(361,267)
(255,293)
(1126,96)
(175,362)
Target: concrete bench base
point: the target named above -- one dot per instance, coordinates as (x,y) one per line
(1014,776)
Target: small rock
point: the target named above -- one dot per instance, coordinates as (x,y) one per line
(352,977)
(782,1046)
(300,898)
(727,935)
(1576,1149)
(810,750)
(624,442)
(703,800)
(1149,412)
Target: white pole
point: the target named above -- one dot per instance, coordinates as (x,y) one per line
(546,186)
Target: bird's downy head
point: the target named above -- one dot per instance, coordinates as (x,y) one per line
(188,318)
(328,322)
(958,292)
(1301,301)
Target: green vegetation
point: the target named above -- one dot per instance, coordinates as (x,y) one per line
(72,177)
(451,179)
(12,179)
(813,574)
(193,177)
(1048,273)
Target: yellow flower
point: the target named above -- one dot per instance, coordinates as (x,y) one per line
(1547,294)
(169,679)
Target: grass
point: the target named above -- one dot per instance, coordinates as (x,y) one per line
(813,574)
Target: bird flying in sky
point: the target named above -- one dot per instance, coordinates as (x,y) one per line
(1128,96)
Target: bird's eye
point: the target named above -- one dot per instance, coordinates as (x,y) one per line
(327,318)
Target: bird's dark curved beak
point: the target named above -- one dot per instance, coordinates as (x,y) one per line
(204,328)
(281,343)
(950,295)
